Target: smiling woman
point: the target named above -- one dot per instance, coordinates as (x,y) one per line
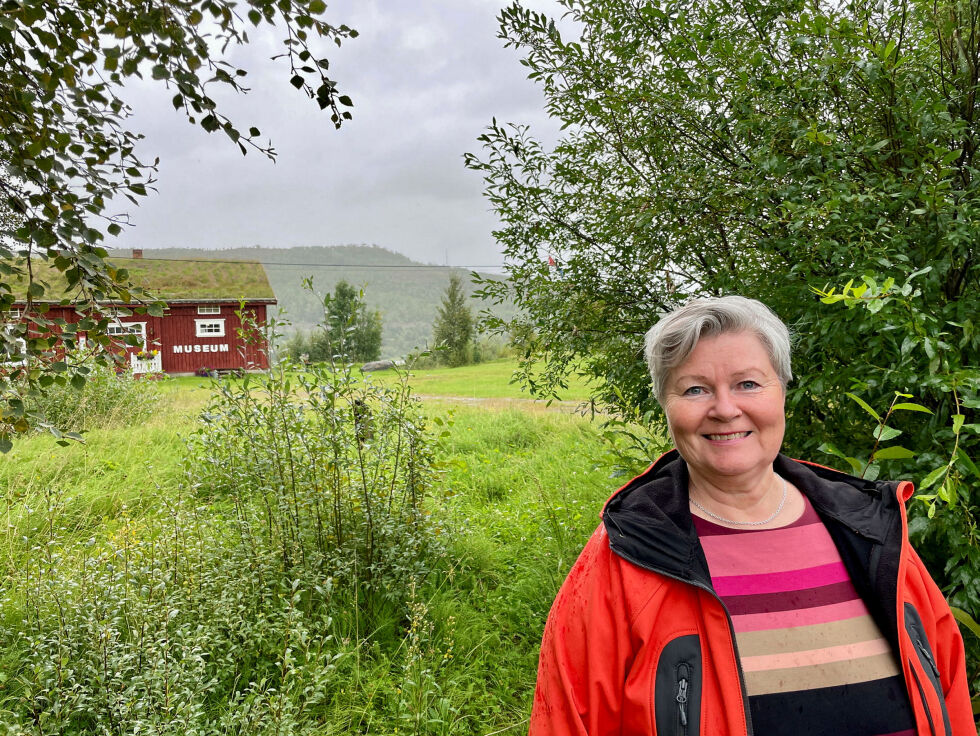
(724,409)
(731,590)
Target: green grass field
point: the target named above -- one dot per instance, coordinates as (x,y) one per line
(517,493)
(492,380)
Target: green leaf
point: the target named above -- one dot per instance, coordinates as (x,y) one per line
(908,406)
(864,405)
(895,452)
(967,462)
(885,433)
(966,619)
(950,157)
(856,465)
(932,477)
(958,420)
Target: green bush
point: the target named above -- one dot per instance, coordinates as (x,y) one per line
(328,470)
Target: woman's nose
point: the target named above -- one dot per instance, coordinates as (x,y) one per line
(724,408)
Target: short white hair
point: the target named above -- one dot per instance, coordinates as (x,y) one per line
(672,339)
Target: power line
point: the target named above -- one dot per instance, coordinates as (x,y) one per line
(316,265)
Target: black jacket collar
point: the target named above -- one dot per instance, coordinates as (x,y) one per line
(649,521)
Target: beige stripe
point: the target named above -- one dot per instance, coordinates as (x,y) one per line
(843,653)
(802,638)
(821,675)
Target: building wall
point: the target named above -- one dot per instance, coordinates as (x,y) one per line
(183,349)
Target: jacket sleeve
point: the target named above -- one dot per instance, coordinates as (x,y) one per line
(586,650)
(947,643)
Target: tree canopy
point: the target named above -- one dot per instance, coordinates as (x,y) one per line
(349,332)
(351,329)
(66,152)
(779,150)
(453,328)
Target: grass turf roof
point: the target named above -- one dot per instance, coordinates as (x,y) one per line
(171,280)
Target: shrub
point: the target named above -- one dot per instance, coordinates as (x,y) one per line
(327,470)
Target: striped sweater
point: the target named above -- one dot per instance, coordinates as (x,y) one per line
(815,661)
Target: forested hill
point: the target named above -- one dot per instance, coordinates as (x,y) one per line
(407,292)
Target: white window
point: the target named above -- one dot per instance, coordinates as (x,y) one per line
(13,315)
(127,328)
(210,327)
(209,309)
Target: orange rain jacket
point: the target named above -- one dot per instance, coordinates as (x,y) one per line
(637,641)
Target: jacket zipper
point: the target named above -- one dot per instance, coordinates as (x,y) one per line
(683,672)
(927,656)
(731,631)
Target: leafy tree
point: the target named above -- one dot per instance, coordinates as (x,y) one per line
(453,328)
(777,150)
(66,153)
(350,331)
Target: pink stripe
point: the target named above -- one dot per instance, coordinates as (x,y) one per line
(800,617)
(771,550)
(778,582)
(810,657)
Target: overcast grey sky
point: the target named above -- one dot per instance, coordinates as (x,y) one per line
(426,79)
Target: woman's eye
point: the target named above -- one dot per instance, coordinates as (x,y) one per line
(749,384)
(694,391)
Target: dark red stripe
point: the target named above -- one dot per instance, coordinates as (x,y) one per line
(791,599)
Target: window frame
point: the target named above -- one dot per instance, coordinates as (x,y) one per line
(119,329)
(207,309)
(199,327)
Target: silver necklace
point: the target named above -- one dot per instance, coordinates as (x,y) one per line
(775,513)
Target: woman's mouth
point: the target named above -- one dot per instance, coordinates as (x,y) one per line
(727,436)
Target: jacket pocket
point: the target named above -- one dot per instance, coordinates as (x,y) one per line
(917,633)
(677,688)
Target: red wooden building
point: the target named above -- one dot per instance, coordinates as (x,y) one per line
(199,329)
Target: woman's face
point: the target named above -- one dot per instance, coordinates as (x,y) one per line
(725,411)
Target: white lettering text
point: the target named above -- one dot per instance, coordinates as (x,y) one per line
(178,349)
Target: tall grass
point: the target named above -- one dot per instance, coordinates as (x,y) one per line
(109,398)
(202,598)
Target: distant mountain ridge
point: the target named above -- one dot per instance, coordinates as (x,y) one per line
(407,292)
